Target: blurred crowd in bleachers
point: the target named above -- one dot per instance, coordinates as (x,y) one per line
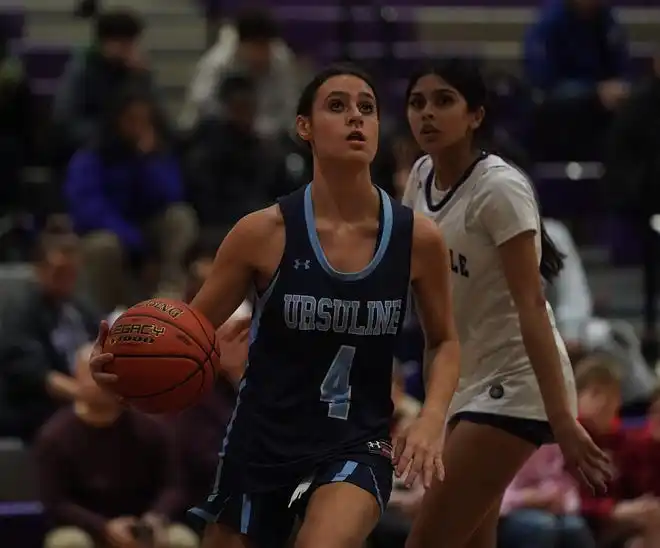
(107,196)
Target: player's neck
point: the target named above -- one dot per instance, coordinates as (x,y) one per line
(451,164)
(345,194)
(98,417)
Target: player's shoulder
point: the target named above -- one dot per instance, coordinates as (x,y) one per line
(426,234)
(420,170)
(495,175)
(259,225)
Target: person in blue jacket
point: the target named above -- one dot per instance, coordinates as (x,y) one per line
(125,197)
(576,60)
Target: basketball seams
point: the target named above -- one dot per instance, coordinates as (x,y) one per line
(172,323)
(214,348)
(189,376)
(207,358)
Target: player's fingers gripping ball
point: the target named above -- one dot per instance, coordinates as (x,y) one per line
(165,356)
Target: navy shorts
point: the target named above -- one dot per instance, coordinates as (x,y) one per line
(536,432)
(268,517)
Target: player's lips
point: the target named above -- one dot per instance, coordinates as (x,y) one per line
(356,136)
(428,129)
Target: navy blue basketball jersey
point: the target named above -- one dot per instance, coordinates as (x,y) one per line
(318,383)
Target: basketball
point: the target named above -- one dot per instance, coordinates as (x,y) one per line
(164,355)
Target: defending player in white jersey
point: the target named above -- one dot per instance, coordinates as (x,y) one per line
(516,390)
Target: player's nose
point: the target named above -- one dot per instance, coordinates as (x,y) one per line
(355,120)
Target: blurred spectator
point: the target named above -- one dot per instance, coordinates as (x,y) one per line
(584,333)
(576,58)
(201,429)
(612,518)
(251,44)
(198,263)
(41,332)
(94,77)
(16,126)
(640,475)
(107,475)
(232,171)
(541,506)
(86,9)
(633,183)
(125,196)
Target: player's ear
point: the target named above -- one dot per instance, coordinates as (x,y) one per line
(304,128)
(478,118)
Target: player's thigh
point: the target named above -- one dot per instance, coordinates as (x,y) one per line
(485,536)
(480,461)
(338,515)
(217,535)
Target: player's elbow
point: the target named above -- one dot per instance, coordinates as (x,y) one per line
(530,302)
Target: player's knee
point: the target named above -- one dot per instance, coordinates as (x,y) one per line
(68,537)
(179,536)
(103,246)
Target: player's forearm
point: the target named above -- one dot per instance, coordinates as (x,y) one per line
(442,370)
(541,346)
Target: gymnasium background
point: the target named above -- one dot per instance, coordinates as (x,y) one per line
(588,133)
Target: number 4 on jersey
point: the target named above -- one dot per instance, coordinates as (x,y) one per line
(335,388)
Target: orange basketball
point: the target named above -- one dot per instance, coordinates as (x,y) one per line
(164,355)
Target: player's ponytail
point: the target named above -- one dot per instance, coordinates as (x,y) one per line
(552,260)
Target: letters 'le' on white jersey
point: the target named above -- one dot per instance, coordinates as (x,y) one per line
(491,204)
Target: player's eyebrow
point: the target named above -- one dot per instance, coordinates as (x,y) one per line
(346,95)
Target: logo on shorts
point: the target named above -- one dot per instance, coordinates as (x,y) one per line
(496,391)
(380,447)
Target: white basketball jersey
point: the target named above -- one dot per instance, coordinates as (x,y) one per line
(492,203)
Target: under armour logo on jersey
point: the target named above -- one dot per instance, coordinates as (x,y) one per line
(304,264)
(380,447)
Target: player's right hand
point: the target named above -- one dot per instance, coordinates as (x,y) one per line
(584,459)
(98,359)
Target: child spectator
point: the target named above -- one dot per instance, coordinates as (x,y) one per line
(624,512)
(107,475)
(541,506)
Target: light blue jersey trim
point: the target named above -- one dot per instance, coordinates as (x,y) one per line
(254,329)
(318,250)
(246,514)
(348,468)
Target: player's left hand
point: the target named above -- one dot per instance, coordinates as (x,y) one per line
(418,450)
(586,461)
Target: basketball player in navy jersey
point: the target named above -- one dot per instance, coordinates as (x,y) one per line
(332,264)
(516,389)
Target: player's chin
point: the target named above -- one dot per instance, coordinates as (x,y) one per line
(359,151)
(433,142)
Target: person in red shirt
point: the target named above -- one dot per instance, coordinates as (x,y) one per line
(639,481)
(621,512)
